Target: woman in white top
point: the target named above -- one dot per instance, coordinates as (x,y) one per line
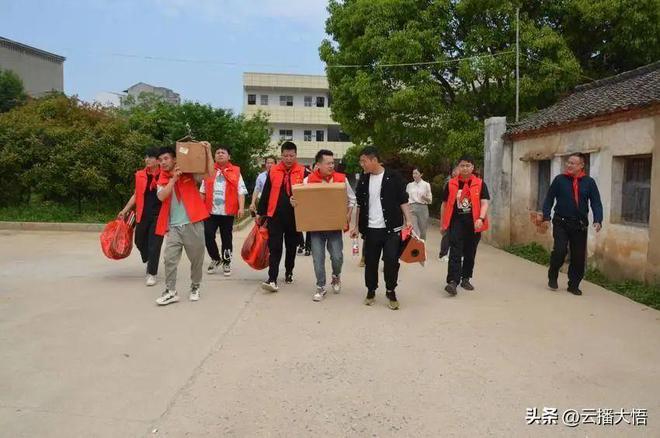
(419,198)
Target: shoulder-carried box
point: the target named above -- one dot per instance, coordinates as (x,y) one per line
(320,207)
(191,157)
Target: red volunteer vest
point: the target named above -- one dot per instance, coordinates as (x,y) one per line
(232,175)
(276,175)
(141,178)
(475,199)
(188,193)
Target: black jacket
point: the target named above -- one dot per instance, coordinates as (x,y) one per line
(561,190)
(392,195)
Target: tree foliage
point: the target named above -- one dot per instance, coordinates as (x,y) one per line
(12,92)
(67,151)
(461,63)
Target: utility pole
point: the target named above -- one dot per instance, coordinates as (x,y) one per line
(517,63)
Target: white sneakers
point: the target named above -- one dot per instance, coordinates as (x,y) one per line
(213,267)
(226,269)
(320,293)
(151,280)
(336,284)
(168,297)
(194,293)
(270,286)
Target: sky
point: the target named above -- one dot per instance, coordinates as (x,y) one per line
(198,48)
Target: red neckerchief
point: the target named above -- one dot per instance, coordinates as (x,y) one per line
(154,177)
(287,177)
(165,178)
(465,191)
(576,180)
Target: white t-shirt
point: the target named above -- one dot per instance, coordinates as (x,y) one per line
(376,218)
(418,190)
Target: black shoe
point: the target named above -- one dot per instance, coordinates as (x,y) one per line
(308,252)
(288,278)
(451,288)
(552,285)
(300,250)
(465,284)
(575,290)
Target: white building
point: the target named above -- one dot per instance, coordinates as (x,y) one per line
(298,108)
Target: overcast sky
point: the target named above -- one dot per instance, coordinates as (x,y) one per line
(198,48)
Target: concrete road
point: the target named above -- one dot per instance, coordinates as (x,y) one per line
(85,352)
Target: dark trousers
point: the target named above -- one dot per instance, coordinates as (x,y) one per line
(226,226)
(463,242)
(444,245)
(569,233)
(281,231)
(376,242)
(148,243)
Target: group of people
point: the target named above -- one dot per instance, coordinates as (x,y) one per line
(191,209)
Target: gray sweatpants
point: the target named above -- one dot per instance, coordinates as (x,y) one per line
(420,216)
(191,238)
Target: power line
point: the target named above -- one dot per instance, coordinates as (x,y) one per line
(408,64)
(532,57)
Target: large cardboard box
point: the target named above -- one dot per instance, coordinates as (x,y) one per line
(191,157)
(320,207)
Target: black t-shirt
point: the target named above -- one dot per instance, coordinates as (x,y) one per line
(151,201)
(464,208)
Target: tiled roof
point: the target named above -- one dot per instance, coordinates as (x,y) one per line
(633,89)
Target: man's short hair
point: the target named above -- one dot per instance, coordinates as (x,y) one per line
(371,152)
(467,158)
(322,153)
(580,155)
(151,153)
(167,150)
(224,148)
(270,157)
(289,146)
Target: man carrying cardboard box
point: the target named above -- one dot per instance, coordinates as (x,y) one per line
(224,196)
(181,217)
(382,207)
(275,206)
(324,173)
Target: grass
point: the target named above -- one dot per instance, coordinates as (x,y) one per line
(54,212)
(647,294)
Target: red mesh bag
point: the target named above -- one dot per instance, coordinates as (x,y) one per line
(117,238)
(255,248)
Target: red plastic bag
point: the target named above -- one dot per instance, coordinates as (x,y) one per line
(117,238)
(255,248)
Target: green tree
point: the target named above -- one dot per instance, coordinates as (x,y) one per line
(12,92)
(165,123)
(461,63)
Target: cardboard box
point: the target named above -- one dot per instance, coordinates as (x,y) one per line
(320,207)
(191,157)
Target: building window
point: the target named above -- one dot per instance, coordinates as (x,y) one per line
(543,182)
(320,101)
(286,134)
(264,99)
(252,99)
(319,135)
(286,100)
(308,136)
(636,190)
(308,100)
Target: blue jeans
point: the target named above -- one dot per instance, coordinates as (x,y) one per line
(333,240)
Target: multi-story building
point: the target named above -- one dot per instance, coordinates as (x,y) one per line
(298,108)
(40,71)
(136,91)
